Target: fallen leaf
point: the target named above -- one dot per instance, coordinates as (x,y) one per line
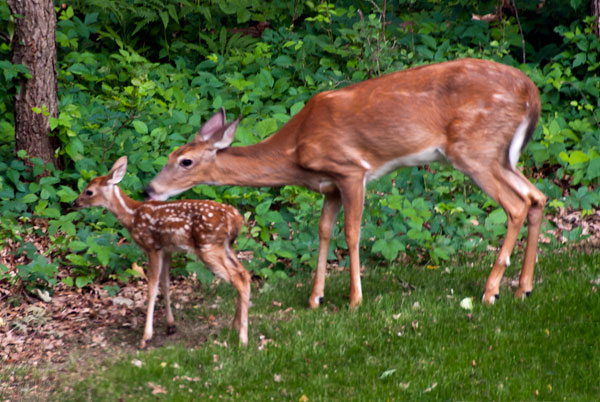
(415,325)
(163,364)
(277,378)
(396,316)
(137,363)
(42,294)
(303,398)
(139,270)
(404,385)
(122,301)
(431,388)
(387,373)
(467,303)
(157,389)
(276,303)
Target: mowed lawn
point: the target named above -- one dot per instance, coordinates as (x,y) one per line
(409,340)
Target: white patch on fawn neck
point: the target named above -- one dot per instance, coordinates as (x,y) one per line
(422,157)
(514,150)
(122,201)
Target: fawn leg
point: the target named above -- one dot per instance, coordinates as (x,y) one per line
(223,263)
(154,268)
(164,288)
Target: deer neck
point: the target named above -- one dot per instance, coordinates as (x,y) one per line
(123,207)
(260,165)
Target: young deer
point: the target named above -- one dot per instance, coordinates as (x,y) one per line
(205,228)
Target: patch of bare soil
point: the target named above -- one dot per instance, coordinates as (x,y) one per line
(43,344)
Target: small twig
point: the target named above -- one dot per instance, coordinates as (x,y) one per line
(520,29)
(116,132)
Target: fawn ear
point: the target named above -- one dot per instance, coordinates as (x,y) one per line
(117,172)
(212,126)
(228,135)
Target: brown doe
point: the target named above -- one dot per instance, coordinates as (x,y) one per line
(474,114)
(204,228)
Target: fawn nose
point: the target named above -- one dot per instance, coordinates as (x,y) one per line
(75,204)
(148,192)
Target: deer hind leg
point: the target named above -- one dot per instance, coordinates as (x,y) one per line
(155,259)
(534,223)
(353,193)
(331,209)
(224,264)
(516,196)
(164,288)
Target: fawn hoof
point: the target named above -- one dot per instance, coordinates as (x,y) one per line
(171,329)
(144,343)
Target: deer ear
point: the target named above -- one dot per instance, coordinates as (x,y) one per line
(117,172)
(228,135)
(212,125)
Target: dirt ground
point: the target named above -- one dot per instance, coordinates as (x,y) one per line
(45,343)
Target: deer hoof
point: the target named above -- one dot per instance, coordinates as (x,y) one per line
(171,329)
(491,300)
(316,301)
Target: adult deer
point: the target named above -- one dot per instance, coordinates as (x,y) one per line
(205,228)
(475,114)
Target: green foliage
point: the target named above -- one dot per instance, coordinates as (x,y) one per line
(138,78)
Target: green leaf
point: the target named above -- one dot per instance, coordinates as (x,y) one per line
(29,198)
(296,107)
(68,281)
(66,194)
(82,281)
(140,126)
(580,59)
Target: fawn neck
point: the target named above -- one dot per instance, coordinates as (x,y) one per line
(123,207)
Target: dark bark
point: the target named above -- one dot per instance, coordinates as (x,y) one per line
(34,45)
(596,14)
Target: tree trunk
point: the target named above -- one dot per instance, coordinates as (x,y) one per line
(596,14)
(34,45)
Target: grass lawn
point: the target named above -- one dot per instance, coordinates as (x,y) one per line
(409,340)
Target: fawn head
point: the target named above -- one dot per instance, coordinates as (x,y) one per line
(100,190)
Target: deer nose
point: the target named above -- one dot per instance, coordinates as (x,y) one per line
(75,204)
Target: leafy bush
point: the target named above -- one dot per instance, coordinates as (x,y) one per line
(139,78)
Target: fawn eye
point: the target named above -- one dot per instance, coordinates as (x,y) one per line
(89,193)
(186,162)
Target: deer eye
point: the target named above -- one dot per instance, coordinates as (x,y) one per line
(186,162)
(89,193)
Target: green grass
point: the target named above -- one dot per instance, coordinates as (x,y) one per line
(401,344)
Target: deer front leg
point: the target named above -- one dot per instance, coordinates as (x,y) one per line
(331,209)
(154,268)
(164,288)
(353,192)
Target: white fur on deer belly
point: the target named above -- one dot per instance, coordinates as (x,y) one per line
(428,155)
